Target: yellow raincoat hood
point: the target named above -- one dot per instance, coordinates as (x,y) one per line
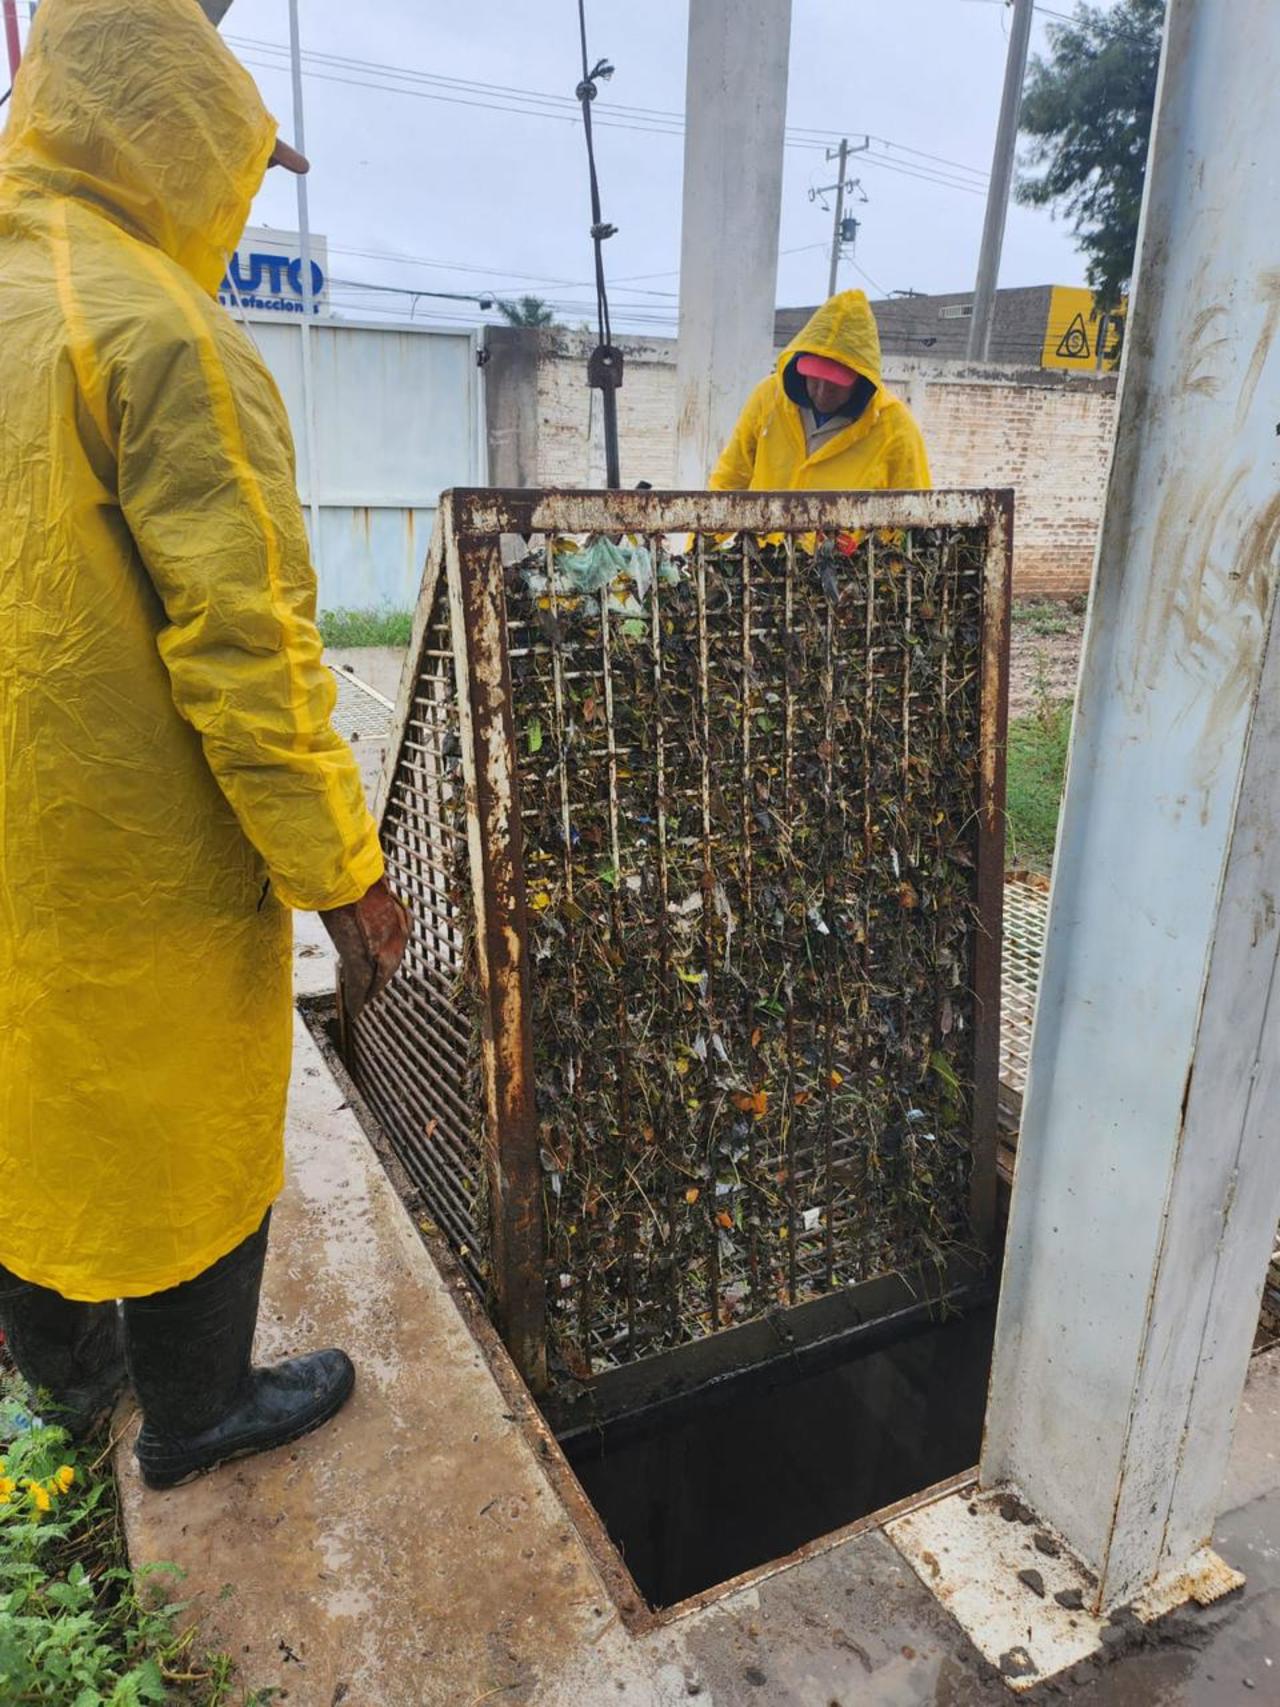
(139,108)
(843,330)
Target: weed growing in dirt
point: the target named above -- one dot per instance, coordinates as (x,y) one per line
(1037,763)
(1048,616)
(78,1627)
(365,627)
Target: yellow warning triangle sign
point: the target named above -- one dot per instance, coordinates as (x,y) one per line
(1074,343)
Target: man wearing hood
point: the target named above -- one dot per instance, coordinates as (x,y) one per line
(823,420)
(171,784)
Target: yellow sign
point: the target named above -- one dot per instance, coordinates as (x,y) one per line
(1077,336)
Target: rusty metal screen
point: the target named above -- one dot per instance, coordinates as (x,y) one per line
(697,801)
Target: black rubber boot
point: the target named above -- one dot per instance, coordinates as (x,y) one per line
(202,1400)
(68,1353)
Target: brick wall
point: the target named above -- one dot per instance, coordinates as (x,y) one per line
(1050,441)
(1047,435)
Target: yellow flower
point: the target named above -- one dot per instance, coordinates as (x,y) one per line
(4,1498)
(7,1485)
(66,1475)
(41,1497)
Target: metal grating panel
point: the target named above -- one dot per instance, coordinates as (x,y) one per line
(415,1053)
(707,975)
(1026,913)
(361,713)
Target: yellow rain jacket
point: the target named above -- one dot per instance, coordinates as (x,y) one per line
(170,784)
(882,448)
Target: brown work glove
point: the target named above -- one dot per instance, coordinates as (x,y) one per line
(370,936)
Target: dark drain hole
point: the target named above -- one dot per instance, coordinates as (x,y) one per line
(698,1494)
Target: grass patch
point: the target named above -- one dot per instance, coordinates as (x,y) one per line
(78,1626)
(1037,763)
(365,627)
(1048,616)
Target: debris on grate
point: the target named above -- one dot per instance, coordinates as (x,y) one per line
(729,890)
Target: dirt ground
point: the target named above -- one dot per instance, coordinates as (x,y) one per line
(1044,654)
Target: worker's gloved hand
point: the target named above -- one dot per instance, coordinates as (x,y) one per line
(370,936)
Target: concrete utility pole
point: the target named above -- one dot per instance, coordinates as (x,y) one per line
(1148,1172)
(984,291)
(735,107)
(842,154)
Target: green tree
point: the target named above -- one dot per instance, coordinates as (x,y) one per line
(1087,109)
(526,311)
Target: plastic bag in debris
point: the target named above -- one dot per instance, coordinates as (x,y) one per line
(170,780)
(579,571)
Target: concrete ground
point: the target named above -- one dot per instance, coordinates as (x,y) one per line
(418,1550)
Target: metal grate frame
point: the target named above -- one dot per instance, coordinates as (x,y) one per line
(774,680)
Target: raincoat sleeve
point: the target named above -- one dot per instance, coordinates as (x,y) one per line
(206,484)
(732,473)
(906,462)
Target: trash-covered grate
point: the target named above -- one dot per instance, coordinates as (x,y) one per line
(1026,912)
(724,907)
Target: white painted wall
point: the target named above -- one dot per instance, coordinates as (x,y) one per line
(397,413)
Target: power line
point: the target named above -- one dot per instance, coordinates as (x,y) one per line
(669,118)
(494,97)
(862,271)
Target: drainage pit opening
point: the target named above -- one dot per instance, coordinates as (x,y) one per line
(700,1488)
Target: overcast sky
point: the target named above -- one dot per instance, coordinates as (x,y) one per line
(497,200)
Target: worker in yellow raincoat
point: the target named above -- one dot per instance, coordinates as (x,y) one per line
(824,421)
(170,786)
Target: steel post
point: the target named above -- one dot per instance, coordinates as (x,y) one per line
(1148,1171)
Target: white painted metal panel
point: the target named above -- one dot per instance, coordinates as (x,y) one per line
(395,423)
(1148,1170)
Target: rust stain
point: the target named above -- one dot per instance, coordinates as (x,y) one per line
(1199,375)
(1214,591)
(1269,291)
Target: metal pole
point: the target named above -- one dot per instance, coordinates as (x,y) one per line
(1148,1170)
(308,299)
(11,37)
(984,291)
(843,152)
